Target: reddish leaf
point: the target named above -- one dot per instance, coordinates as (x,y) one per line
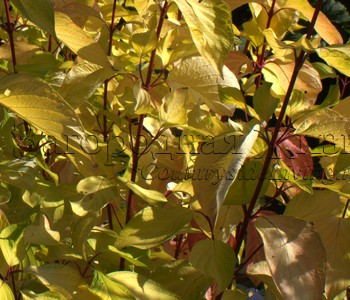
(295,153)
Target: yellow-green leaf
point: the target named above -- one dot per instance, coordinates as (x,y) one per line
(78,41)
(142,287)
(211,29)
(335,237)
(150,196)
(203,81)
(143,41)
(337,57)
(43,107)
(218,168)
(5,291)
(214,259)
(41,233)
(62,279)
(264,103)
(108,289)
(311,208)
(153,226)
(41,14)
(173,110)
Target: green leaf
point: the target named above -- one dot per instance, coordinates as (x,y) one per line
(143,99)
(253,33)
(315,207)
(242,189)
(82,80)
(326,124)
(98,191)
(173,110)
(297,274)
(41,14)
(42,106)
(182,279)
(30,295)
(142,287)
(232,95)
(228,218)
(335,237)
(41,234)
(150,196)
(203,81)
(210,26)
(261,271)
(324,70)
(62,279)
(143,41)
(5,291)
(264,103)
(108,289)
(153,226)
(19,172)
(78,41)
(12,245)
(337,57)
(214,259)
(219,166)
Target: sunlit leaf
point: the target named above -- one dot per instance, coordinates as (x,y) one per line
(143,41)
(62,279)
(323,26)
(82,81)
(30,295)
(78,41)
(12,244)
(337,57)
(220,168)
(173,109)
(215,259)
(295,256)
(108,289)
(153,226)
(279,74)
(39,104)
(98,191)
(202,80)
(41,233)
(326,124)
(141,286)
(19,172)
(211,30)
(5,291)
(150,196)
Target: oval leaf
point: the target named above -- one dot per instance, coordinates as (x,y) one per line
(295,255)
(215,259)
(153,226)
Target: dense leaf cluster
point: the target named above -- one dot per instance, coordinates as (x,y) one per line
(174,149)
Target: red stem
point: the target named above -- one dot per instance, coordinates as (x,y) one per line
(10,30)
(298,65)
